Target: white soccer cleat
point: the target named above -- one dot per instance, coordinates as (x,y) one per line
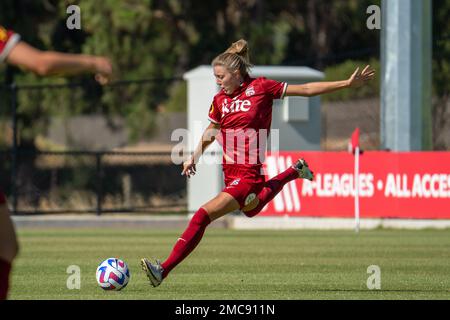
(303,170)
(154,271)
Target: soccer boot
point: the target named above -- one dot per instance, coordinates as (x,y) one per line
(153,271)
(303,170)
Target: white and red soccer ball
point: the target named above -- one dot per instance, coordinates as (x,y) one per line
(113,274)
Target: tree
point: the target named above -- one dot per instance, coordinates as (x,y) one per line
(441,74)
(162,39)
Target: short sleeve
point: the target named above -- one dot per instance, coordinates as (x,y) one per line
(275,89)
(8,39)
(214,114)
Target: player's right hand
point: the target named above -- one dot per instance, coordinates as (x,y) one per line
(189,168)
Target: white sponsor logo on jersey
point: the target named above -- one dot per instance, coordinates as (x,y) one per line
(235,106)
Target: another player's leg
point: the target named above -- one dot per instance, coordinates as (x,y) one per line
(212,210)
(8,247)
(273,186)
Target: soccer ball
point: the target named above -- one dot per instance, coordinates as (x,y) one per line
(113,274)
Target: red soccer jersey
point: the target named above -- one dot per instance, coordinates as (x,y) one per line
(245,117)
(8,39)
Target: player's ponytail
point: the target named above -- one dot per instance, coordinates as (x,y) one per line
(235,58)
(240,48)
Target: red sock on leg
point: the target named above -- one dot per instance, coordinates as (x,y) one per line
(188,240)
(271,189)
(5,269)
(2,197)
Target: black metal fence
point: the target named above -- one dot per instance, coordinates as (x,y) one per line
(92,182)
(38,182)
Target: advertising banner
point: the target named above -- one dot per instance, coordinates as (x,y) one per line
(391,185)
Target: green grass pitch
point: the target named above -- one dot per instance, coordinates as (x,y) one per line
(232,264)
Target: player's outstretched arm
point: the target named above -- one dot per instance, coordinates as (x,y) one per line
(357,79)
(208,137)
(47,63)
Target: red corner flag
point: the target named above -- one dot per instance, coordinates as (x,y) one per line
(354,141)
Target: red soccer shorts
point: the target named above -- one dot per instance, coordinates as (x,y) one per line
(243,184)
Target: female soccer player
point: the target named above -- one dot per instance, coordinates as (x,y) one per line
(243,107)
(44,63)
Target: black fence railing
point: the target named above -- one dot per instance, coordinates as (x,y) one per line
(92,182)
(37,182)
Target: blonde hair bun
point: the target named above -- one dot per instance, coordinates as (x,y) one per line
(236,57)
(240,48)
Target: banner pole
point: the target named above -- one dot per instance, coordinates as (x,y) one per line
(356,173)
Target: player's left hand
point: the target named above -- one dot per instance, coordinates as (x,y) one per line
(103,70)
(359,78)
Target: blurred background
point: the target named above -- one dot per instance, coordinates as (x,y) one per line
(81,147)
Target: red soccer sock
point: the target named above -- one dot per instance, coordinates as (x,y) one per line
(271,188)
(5,269)
(188,240)
(2,197)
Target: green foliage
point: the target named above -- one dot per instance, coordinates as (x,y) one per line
(177,101)
(149,39)
(441,48)
(441,74)
(344,71)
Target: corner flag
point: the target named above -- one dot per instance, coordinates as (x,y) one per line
(353,147)
(354,141)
